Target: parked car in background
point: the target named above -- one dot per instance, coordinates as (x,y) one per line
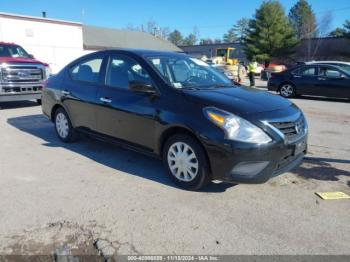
(272,68)
(21,76)
(260,68)
(179,109)
(343,65)
(312,79)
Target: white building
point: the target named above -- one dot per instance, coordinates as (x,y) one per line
(51,41)
(58,42)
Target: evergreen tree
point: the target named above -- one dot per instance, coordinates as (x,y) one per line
(241,28)
(176,37)
(269,34)
(303,20)
(237,32)
(342,32)
(347,28)
(230,36)
(338,32)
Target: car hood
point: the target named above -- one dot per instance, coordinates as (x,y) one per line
(21,60)
(238,100)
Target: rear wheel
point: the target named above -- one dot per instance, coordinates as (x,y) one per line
(287,90)
(63,126)
(186,162)
(38,101)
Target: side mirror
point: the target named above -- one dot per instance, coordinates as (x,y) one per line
(31,56)
(141,86)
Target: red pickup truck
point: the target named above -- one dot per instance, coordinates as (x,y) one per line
(21,76)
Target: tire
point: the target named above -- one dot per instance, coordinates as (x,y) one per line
(287,90)
(38,101)
(63,126)
(194,172)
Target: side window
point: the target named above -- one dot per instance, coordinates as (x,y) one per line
(329,72)
(308,71)
(180,70)
(122,70)
(87,71)
(296,71)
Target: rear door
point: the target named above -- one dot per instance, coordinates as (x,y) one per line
(122,113)
(79,94)
(333,82)
(304,79)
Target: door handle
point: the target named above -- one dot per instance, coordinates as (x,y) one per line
(65,92)
(296,76)
(321,78)
(105,100)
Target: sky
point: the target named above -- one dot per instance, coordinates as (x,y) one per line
(212,17)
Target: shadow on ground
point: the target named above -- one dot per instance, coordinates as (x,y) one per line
(103,153)
(321,169)
(326,99)
(17,104)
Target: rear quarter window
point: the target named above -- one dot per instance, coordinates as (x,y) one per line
(87,71)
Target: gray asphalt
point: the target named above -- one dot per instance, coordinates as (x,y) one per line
(54,194)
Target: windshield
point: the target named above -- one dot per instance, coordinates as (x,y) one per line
(345,67)
(181,71)
(14,51)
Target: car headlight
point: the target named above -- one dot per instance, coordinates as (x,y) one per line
(47,72)
(235,127)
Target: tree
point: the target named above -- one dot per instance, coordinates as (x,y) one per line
(150,27)
(176,37)
(238,32)
(338,32)
(206,41)
(191,39)
(230,36)
(241,28)
(270,33)
(341,32)
(347,28)
(303,20)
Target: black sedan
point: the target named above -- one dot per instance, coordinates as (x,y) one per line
(314,80)
(177,108)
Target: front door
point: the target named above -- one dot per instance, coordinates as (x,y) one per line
(305,79)
(122,113)
(333,83)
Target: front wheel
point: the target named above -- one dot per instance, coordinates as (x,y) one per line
(287,91)
(63,126)
(186,162)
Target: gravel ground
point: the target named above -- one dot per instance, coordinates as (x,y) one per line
(55,196)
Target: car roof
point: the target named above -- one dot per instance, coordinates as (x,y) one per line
(320,64)
(327,62)
(142,52)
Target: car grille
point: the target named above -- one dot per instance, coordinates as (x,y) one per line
(22,74)
(291,130)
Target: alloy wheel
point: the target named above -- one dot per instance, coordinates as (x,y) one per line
(287,90)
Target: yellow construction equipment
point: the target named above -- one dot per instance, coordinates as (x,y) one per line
(227,55)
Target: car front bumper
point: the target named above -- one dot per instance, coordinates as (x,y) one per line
(272,86)
(245,163)
(9,97)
